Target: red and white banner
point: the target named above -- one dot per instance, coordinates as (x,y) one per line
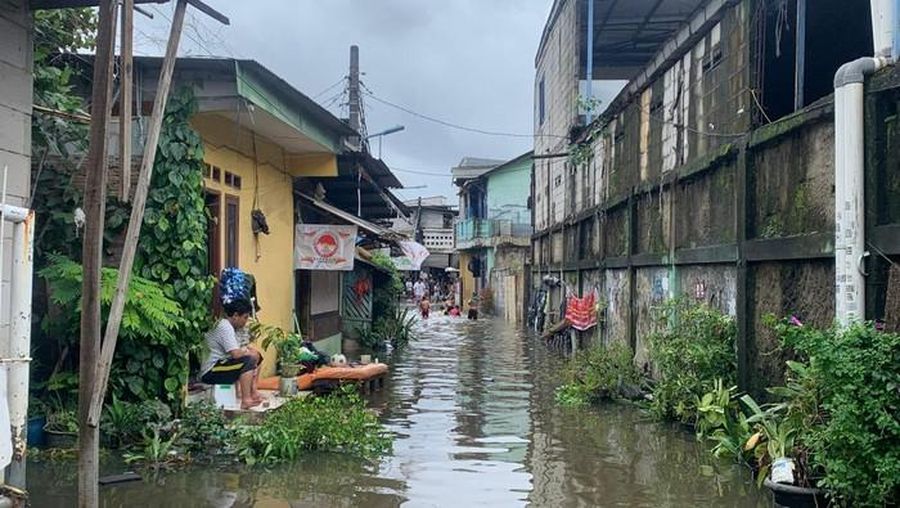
(324,247)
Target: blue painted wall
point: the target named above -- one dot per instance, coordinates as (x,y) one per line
(508,189)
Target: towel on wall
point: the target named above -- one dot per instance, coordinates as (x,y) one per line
(582,312)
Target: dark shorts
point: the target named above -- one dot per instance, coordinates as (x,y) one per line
(227,370)
(473,314)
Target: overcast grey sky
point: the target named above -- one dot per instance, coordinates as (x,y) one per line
(470,62)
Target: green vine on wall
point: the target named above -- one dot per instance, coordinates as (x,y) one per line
(582,153)
(172,248)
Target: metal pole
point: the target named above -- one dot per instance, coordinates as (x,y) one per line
(589,72)
(20,342)
(800,58)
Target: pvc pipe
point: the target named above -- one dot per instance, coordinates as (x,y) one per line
(20,344)
(884,22)
(849,211)
(849,194)
(895,54)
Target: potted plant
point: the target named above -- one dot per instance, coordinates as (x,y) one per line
(61,428)
(289,346)
(780,452)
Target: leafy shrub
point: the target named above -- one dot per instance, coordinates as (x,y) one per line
(694,348)
(856,440)
(396,328)
(62,420)
(125,423)
(721,420)
(149,322)
(336,423)
(157,451)
(386,295)
(203,429)
(597,374)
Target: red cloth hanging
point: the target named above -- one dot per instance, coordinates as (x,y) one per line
(581,312)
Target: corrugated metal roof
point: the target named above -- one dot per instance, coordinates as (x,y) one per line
(627,33)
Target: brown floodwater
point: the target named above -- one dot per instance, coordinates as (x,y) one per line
(476,424)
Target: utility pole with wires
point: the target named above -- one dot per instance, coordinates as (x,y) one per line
(356,121)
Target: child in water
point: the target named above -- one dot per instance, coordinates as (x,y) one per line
(473,308)
(424,307)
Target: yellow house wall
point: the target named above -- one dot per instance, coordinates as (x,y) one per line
(268,257)
(269,181)
(466,278)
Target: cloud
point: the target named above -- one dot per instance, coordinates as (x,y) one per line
(470,62)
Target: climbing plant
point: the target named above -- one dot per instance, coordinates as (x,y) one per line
(59,140)
(385,296)
(172,249)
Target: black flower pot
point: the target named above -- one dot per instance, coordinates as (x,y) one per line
(791,496)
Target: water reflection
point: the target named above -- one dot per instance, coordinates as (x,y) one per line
(472,407)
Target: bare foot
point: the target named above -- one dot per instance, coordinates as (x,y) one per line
(250,404)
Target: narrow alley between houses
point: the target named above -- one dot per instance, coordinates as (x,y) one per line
(457,253)
(472,405)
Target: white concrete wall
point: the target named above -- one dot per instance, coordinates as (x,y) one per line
(557,66)
(15,123)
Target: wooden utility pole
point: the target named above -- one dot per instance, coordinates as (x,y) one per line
(137,217)
(126,72)
(92,252)
(92,380)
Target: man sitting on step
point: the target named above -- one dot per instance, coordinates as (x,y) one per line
(228,362)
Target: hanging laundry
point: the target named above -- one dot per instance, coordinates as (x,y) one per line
(582,312)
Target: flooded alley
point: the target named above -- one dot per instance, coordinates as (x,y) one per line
(472,406)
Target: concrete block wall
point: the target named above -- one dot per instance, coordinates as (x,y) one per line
(557,67)
(15,123)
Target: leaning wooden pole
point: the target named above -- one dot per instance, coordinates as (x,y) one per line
(92,249)
(126,72)
(137,217)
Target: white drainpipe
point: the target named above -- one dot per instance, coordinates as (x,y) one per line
(17,353)
(849,151)
(884,20)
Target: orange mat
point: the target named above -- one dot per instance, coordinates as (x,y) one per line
(305,381)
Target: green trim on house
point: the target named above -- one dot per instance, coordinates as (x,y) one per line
(269,92)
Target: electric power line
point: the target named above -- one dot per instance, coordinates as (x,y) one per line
(419,172)
(367,91)
(330,87)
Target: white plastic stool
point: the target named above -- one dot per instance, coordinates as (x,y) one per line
(225,396)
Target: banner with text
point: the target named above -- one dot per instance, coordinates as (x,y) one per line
(324,247)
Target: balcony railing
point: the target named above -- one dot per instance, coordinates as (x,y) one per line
(491,232)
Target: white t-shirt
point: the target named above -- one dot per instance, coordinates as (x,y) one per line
(419,289)
(221,340)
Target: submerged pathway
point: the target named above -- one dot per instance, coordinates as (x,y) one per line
(473,408)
